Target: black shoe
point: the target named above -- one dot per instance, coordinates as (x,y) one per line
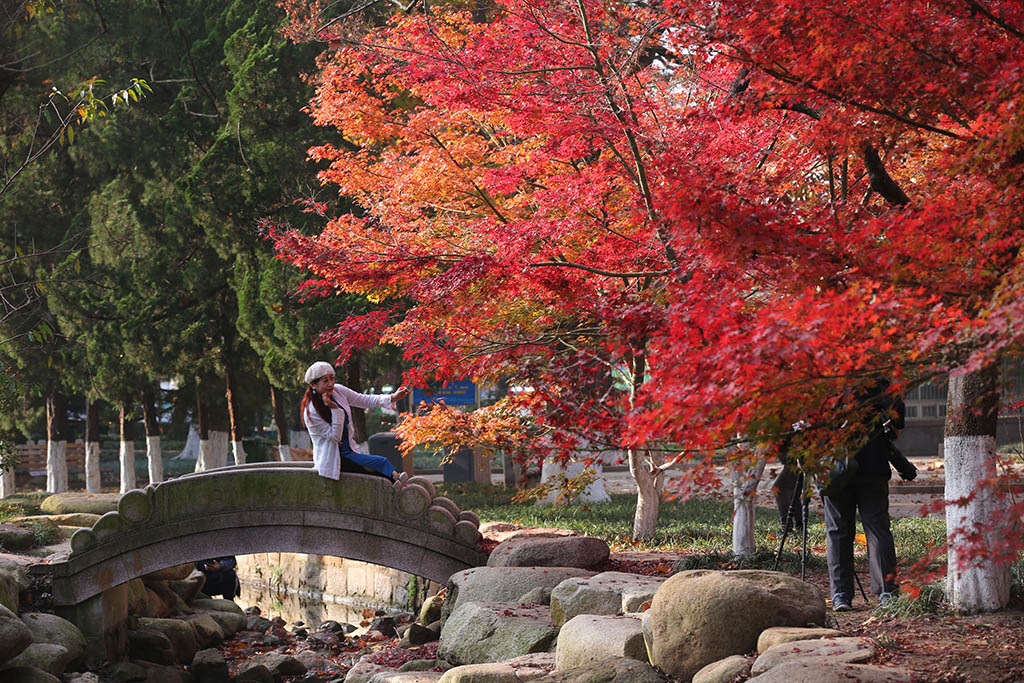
(841,603)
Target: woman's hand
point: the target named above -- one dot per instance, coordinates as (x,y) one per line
(402,392)
(329,400)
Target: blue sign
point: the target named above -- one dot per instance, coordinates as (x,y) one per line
(459,392)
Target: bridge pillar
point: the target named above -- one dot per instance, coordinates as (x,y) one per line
(103,620)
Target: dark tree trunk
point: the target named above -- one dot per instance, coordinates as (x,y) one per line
(202,415)
(229,393)
(280,404)
(92,422)
(149,413)
(56,417)
(127,424)
(354,381)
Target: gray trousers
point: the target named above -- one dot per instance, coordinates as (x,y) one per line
(869,495)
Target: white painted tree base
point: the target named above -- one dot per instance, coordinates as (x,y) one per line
(7,482)
(155,459)
(594,492)
(984,586)
(238,451)
(126,456)
(285,452)
(213,452)
(92,467)
(744,486)
(56,466)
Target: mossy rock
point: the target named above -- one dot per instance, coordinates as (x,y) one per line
(76,501)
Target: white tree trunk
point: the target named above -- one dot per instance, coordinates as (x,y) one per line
(978,576)
(56,466)
(92,467)
(649,487)
(155,459)
(285,452)
(238,451)
(7,482)
(745,477)
(978,586)
(126,456)
(213,452)
(191,449)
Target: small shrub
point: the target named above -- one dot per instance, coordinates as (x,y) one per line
(931,600)
(43,533)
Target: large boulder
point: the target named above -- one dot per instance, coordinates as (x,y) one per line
(49,628)
(151,646)
(604,593)
(49,657)
(189,587)
(28,674)
(14,537)
(138,600)
(406,677)
(481,632)
(278,664)
(787,634)
(700,616)
(209,666)
(15,636)
(230,623)
(208,631)
(216,605)
(77,501)
(431,609)
(13,580)
(831,650)
(801,670)
(589,637)
(584,552)
(724,670)
(619,670)
(181,635)
(502,584)
(516,670)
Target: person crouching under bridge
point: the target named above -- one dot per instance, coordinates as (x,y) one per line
(327,414)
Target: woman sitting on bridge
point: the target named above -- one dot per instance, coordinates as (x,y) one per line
(327,414)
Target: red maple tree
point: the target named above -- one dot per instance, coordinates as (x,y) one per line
(681,222)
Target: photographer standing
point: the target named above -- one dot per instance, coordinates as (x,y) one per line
(867,490)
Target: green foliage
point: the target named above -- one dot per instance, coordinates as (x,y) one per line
(43,533)
(930,600)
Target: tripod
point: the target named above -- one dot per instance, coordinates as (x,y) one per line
(788,523)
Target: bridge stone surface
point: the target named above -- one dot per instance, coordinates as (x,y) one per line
(268,507)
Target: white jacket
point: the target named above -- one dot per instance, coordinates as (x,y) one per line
(325,437)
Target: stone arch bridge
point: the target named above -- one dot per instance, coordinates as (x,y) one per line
(268,507)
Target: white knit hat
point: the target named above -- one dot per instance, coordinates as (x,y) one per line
(317,370)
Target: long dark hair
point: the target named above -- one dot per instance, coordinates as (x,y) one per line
(319,406)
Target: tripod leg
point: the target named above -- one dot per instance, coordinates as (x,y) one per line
(860,585)
(788,522)
(805,510)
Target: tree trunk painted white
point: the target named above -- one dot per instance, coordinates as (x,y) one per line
(649,487)
(92,467)
(7,482)
(56,466)
(126,456)
(238,451)
(745,478)
(300,439)
(285,452)
(978,578)
(213,452)
(155,459)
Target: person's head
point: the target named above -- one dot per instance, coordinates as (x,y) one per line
(319,379)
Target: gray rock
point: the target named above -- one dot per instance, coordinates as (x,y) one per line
(539,551)
(209,666)
(14,537)
(49,628)
(482,632)
(15,636)
(701,616)
(181,635)
(230,623)
(419,635)
(49,657)
(189,587)
(123,672)
(138,598)
(152,646)
(216,605)
(431,609)
(406,677)
(82,677)
(164,673)
(279,665)
(835,650)
(311,660)
(364,670)
(536,596)
(208,631)
(425,665)
(77,501)
(258,623)
(812,671)
(610,671)
(502,584)
(28,674)
(255,674)
(604,593)
(525,668)
(589,637)
(724,670)
(787,634)
(13,580)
